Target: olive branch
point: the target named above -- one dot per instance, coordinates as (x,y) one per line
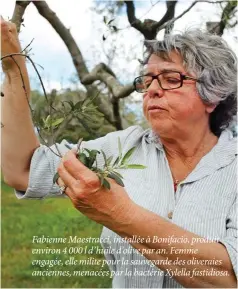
(110,167)
(82,109)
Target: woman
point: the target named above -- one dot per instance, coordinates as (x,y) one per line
(179,214)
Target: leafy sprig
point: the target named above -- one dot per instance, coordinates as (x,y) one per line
(110,168)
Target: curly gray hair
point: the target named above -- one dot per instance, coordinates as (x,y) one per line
(213,62)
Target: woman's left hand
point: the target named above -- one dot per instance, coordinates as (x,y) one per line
(111,208)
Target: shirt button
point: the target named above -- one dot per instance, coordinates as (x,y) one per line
(170,215)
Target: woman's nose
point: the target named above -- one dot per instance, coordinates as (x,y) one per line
(155,90)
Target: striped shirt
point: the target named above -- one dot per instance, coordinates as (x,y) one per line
(205,202)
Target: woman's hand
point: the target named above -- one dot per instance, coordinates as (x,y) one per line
(112,208)
(9,44)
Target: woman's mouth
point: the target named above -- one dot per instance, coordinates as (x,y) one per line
(155,108)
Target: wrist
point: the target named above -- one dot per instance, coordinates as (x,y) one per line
(123,217)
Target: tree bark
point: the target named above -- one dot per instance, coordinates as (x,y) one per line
(85,77)
(103,73)
(149,28)
(219,27)
(77,58)
(18,13)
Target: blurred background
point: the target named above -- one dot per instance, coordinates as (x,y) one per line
(86,50)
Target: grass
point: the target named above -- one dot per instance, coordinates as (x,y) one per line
(21,220)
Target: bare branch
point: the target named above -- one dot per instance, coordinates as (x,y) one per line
(76,55)
(24,88)
(65,35)
(103,73)
(116,111)
(136,23)
(149,28)
(170,22)
(19,10)
(169,14)
(125,91)
(226,15)
(219,27)
(27,46)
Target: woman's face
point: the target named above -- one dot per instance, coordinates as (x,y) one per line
(181,109)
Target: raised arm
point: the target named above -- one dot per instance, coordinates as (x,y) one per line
(18,137)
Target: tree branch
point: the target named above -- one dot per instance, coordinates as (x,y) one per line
(76,55)
(169,14)
(226,14)
(149,28)
(116,111)
(219,27)
(135,22)
(45,11)
(18,13)
(170,22)
(103,73)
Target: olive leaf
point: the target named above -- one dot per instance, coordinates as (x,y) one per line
(106,184)
(57,122)
(115,177)
(56,176)
(109,160)
(135,166)
(78,105)
(118,174)
(119,148)
(127,156)
(110,169)
(49,122)
(105,159)
(116,161)
(83,159)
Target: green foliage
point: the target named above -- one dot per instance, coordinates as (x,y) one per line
(72,114)
(110,170)
(49,122)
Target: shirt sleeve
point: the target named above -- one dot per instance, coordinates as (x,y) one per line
(230,240)
(44,162)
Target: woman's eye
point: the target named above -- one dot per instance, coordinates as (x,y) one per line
(173,80)
(147,82)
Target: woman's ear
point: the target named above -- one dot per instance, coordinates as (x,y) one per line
(210,108)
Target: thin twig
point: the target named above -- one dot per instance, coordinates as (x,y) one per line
(27,46)
(24,88)
(176,18)
(48,102)
(13,54)
(130,26)
(50,105)
(36,70)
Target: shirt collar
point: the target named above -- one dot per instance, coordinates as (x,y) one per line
(221,155)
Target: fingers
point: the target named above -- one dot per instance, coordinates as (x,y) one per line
(9,44)
(59,182)
(78,171)
(7,25)
(66,179)
(67,190)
